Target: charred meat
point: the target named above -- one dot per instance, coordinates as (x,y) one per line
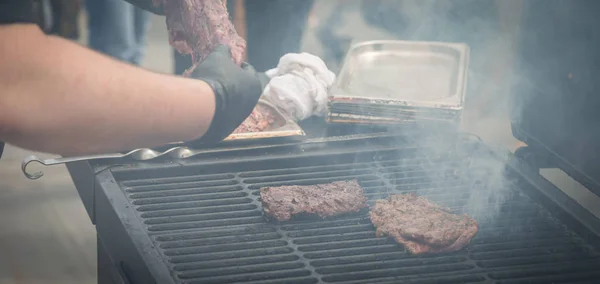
(261,119)
(420,225)
(197,27)
(324,200)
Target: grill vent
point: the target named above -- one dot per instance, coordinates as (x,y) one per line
(210,229)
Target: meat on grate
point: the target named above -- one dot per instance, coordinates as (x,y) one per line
(420,225)
(325,200)
(197,27)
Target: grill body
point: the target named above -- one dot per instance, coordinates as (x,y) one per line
(555,102)
(201,220)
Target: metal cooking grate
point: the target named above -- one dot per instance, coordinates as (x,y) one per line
(210,228)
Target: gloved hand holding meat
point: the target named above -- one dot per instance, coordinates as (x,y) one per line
(236,89)
(196,28)
(298,85)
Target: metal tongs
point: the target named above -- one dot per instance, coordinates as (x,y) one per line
(142,154)
(180,152)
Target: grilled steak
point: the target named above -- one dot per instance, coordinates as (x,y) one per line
(325,200)
(197,27)
(260,119)
(420,225)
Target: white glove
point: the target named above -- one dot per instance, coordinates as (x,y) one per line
(299,85)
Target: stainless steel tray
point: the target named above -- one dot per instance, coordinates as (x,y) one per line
(408,73)
(392,112)
(365,119)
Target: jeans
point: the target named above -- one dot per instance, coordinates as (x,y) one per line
(274,28)
(118,29)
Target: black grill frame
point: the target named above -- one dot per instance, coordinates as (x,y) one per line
(134,253)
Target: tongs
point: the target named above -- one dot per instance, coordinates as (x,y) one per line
(142,154)
(180,152)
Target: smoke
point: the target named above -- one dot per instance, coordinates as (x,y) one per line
(484,187)
(490,28)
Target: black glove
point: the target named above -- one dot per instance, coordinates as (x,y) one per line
(236,89)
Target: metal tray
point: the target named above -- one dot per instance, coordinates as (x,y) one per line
(370,120)
(407,73)
(395,112)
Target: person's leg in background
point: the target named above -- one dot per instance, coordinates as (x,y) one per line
(64,18)
(114,29)
(141,23)
(181,61)
(274,28)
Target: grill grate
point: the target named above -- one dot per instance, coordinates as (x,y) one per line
(210,227)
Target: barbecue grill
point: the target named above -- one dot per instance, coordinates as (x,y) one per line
(200,220)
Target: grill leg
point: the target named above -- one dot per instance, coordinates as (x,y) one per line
(107,272)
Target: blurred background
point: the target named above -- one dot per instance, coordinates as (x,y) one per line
(46,235)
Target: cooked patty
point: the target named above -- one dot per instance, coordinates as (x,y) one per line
(420,225)
(325,200)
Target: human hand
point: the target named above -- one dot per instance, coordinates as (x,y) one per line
(237,90)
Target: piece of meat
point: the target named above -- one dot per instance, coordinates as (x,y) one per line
(260,119)
(197,27)
(420,225)
(325,200)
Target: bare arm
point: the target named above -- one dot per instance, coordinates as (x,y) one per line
(59,97)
